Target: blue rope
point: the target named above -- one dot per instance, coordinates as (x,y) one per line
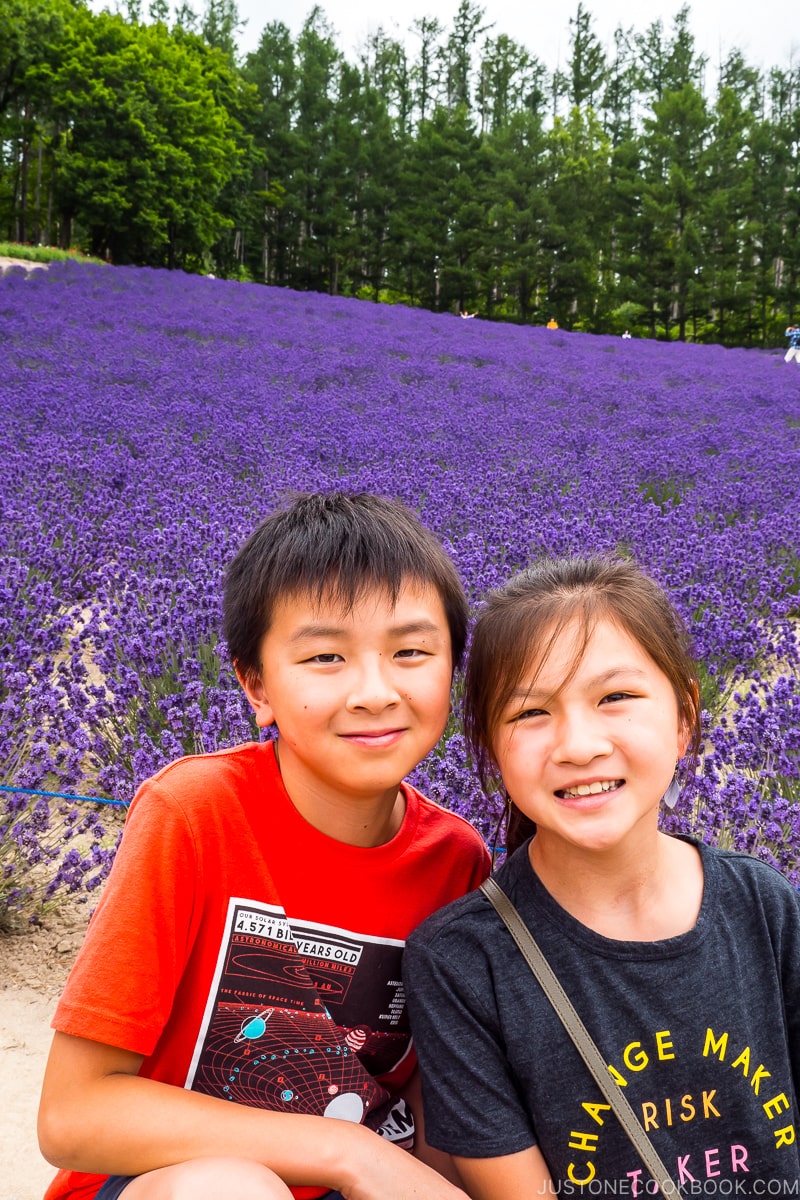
(5,787)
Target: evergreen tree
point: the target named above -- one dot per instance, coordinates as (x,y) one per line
(379,168)
(587,65)
(578,195)
(729,169)
(509,80)
(186,18)
(772,150)
(457,54)
(617,308)
(666,64)
(788,266)
(221,26)
(444,212)
(387,69)
(312,199)
(519,215)
(272,69)
(424,71)
(673,190)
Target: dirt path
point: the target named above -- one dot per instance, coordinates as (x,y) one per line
(33,968)
(20,262)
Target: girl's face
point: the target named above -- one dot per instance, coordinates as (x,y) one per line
(590,758)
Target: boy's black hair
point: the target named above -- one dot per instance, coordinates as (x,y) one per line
(338,545)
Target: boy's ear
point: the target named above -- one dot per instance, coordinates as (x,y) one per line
(256,694)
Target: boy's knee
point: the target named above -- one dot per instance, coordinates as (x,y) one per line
(208,1179)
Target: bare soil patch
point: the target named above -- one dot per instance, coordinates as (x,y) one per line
(25,263)
(33,968)
(6,262)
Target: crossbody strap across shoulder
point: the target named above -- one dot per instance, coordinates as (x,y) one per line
(574,1026)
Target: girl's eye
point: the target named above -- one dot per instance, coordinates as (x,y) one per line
(410,653)
(528,713)
(616,696)
(325,659)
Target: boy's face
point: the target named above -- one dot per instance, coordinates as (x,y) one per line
(359,697)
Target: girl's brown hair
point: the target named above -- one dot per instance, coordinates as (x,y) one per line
(523,619)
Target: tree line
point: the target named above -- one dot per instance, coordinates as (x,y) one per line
(618,191)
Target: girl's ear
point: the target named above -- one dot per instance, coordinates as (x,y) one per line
(256,693)
(687,726)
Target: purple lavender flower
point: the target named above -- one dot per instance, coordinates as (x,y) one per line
(151,419)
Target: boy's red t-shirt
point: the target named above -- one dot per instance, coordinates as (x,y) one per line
(249,956)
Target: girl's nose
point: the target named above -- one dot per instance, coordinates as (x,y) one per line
(580,738)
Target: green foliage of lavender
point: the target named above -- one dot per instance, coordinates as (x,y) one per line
(151,419)
(49,847)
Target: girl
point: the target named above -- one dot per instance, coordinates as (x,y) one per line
(682,960)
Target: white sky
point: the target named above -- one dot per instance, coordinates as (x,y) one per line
(765,30)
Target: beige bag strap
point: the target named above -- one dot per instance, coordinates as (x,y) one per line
(579,1034)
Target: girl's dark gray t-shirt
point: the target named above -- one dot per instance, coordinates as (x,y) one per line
(702,1031)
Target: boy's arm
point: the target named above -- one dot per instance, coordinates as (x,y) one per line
(98,1115)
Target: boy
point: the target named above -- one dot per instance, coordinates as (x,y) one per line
(240,980)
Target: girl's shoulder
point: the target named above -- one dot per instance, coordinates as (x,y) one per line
(470,917)
(738,864)
(751,881)
(467,915)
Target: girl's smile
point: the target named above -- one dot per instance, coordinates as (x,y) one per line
(598,787)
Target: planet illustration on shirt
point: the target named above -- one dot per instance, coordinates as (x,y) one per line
(345,1107)
(356,1038)
(253,1027)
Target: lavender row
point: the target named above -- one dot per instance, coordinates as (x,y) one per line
(150,419)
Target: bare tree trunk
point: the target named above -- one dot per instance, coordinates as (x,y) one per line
(15,177)
(23,188)
(37,227)
(48,227)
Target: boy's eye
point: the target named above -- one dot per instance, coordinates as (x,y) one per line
(325,658)
(410,652)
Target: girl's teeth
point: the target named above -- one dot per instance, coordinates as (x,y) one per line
(591,789)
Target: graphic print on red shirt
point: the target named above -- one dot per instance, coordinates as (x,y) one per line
(301,1018)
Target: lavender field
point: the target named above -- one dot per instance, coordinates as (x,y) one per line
(150,419)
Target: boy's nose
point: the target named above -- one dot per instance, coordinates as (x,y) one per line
(373,688)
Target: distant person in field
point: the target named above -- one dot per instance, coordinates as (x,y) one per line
(793,352)
(552,323)
(235,1024)
(683,961)
(626,335)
